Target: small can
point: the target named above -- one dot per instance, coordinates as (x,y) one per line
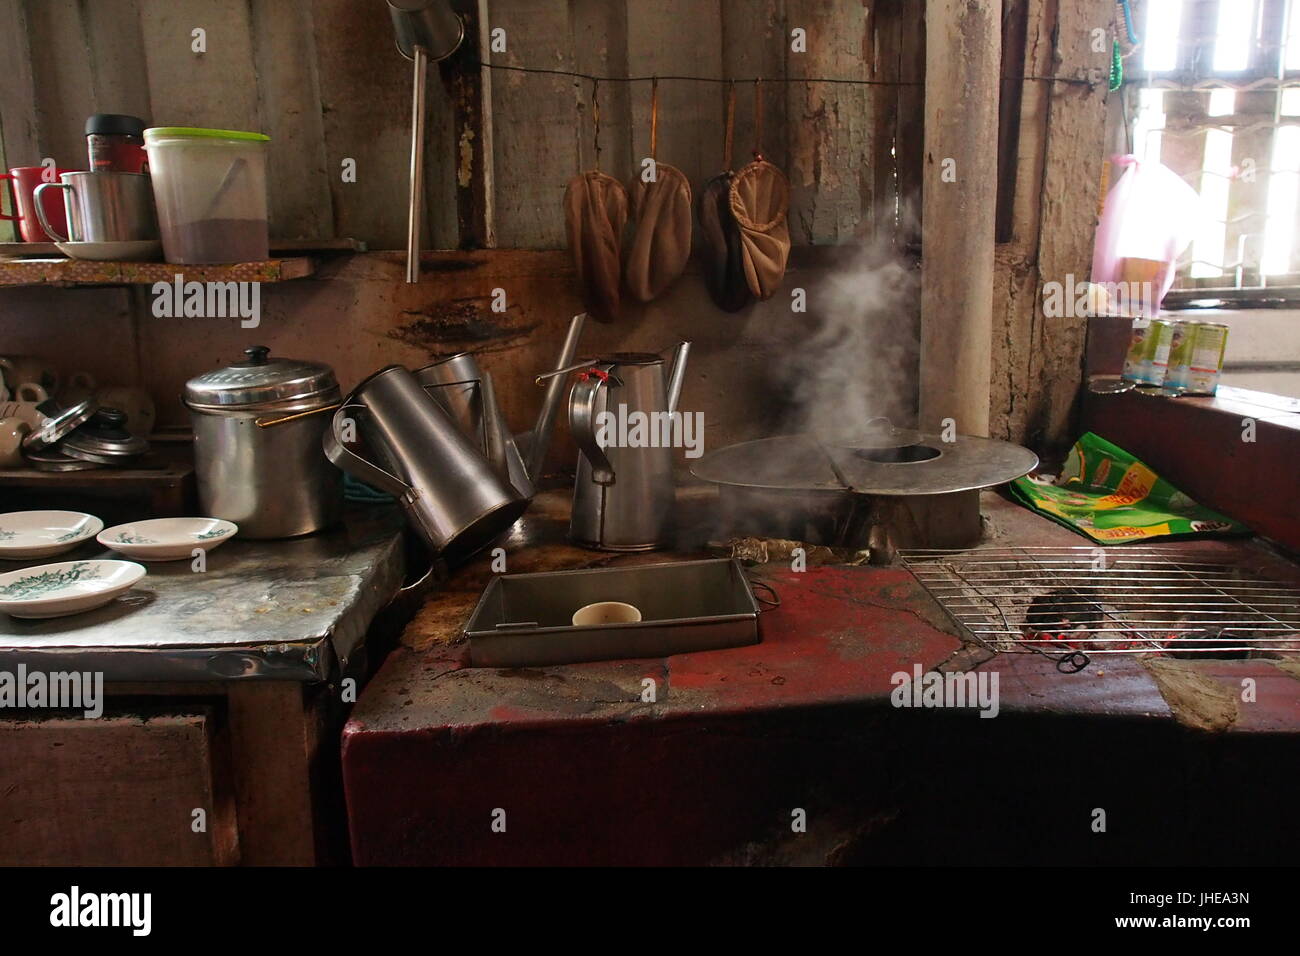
(1139,339)
(1156,362)
(1208,346)
(1180,356)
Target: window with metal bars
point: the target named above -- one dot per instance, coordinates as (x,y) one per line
(1212,90)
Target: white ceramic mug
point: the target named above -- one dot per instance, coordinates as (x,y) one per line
(31,393)
(29,368)
(12,432)
(606,612)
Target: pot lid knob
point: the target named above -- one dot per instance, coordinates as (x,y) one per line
(109,418)
(257,355)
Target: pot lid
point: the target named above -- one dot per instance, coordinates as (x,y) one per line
(104,440)
(929,467)
(51,459)
(262,381)
(115,124)
(60,425)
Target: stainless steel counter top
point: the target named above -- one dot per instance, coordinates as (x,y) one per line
(270,610)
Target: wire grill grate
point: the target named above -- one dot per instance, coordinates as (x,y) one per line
(1082,601)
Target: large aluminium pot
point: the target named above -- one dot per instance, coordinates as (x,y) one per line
(257,445)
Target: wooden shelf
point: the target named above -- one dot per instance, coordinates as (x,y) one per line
(280,248)
(73,272)
(165,479)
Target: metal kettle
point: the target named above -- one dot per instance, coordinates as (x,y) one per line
(466,393)
(623,493)
(451,495)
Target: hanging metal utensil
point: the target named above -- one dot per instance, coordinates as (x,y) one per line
(426,30)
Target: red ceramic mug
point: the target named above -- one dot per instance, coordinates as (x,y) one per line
(25,179)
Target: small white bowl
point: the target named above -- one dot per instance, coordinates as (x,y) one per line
(167,539)
(70,587)
(606,612)
(43,534)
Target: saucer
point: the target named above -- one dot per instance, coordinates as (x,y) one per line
(112,251)
(43,534)
(167,539)
(54,590)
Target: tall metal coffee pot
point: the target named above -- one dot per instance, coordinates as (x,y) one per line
(435,440)
(623,493)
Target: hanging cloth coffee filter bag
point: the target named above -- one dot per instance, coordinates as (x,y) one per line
(595,214)
(760,198)
(720,245)
(661,212)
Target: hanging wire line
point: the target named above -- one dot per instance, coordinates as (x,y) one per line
(650,78)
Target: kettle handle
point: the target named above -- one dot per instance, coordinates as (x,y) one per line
(339,454)
(582,416)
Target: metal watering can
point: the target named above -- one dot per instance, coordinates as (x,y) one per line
(442,449)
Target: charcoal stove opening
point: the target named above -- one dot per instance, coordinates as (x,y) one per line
(902,455)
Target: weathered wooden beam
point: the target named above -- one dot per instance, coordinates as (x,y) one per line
(962,75)
(1073,156)
(1015,24)
(469,86)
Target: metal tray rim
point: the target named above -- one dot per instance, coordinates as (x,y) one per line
(751,614)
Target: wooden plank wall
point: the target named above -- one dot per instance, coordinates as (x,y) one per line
(323,78)
(1038,360)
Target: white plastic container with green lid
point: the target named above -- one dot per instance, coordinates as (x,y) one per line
(210,189)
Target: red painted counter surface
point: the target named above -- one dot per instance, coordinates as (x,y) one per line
(447,764)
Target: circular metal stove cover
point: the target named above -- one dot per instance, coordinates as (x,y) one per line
(878,432)
(801,463)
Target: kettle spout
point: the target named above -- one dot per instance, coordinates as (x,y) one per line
(539,441)
(677,374)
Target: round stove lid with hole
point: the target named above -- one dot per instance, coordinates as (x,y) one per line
(929,467)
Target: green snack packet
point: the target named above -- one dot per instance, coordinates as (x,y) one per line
(1107,495)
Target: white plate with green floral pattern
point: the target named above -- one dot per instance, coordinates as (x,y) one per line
(167,539)
(70,587)
(43,534)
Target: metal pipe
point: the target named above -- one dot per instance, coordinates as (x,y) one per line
(416,200)
(677,374)
(540,441)
(575,367)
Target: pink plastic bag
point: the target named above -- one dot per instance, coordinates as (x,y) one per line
(1150,214)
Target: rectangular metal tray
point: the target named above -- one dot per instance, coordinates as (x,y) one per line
(525,620)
